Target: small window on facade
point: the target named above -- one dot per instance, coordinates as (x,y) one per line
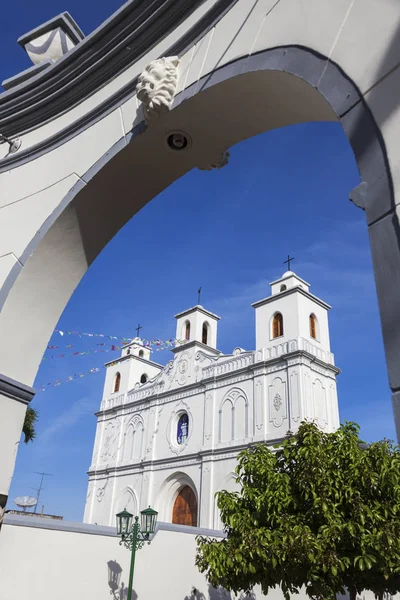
(117,382)
(143,378)
(128,351)
(277,326)
(141,353)
(313,326)
(204,335)
(187,331)
(283,288)
(182,429)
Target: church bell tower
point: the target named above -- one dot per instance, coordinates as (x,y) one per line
(292,332)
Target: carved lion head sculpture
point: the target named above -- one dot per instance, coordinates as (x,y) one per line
(157,86)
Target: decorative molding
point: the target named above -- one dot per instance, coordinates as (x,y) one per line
(101,492)
(294,391)
(183,369)
(259,405)
(181,407)
(208,416)
(90,489)
(52,40)
(157,85)
(157,410)
(320,403)
(16,390)
(128,35)
(277,401)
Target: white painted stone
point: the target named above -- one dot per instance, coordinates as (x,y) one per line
(78,156)
(11,422)
(197,67)
(369,39)
(105,92)
(383,102)
(236,33)
(230,401)
(314,24)
(130,114)
(20,221)
(184,69)
(7,262)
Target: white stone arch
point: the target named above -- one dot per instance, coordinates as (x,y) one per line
(238,418)
(48,240)
(133,440)
(225,421)
(168,492)
(128,499)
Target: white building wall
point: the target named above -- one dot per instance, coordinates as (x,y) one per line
(49,560)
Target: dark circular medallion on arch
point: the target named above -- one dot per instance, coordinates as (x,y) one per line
(178,141)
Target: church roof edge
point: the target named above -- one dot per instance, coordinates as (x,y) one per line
(129,356)
(292,290)
(288,274)
(201,309)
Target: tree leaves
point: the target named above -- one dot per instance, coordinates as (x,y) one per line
(28,428)
(321,511)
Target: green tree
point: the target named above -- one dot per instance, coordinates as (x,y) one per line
(322,511)
(28,428)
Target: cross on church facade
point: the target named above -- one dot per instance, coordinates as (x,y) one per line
(288,261)
(198,295)
(138,328)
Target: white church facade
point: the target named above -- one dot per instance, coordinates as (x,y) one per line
(169,436)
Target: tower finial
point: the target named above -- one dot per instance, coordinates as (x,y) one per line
(198,295)
(288,261)
(138,328)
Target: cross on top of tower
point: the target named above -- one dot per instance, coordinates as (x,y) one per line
(288,261)
(138,328)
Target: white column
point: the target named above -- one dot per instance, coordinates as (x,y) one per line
(14,399)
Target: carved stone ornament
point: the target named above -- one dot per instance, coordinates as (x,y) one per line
(101,491)
(157,86)
(277,402)
(217,162)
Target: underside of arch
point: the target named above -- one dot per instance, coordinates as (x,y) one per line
(251,95)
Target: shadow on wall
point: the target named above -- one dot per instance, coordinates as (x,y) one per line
(217,594)
(118,590)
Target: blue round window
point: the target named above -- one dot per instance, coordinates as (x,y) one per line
(182,429)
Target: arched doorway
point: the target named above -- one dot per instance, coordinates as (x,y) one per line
(184,511)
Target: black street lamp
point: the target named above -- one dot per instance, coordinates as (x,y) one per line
(134,536)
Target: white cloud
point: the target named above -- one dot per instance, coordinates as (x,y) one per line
(67,419)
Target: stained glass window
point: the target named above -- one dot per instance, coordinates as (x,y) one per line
(183,429)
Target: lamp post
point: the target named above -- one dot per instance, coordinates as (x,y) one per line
(135,536)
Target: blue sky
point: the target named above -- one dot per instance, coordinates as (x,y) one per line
(285,191)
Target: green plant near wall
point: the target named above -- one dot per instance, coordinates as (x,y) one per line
(322,511)
(29,427)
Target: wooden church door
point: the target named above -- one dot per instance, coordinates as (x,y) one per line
(185,508)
